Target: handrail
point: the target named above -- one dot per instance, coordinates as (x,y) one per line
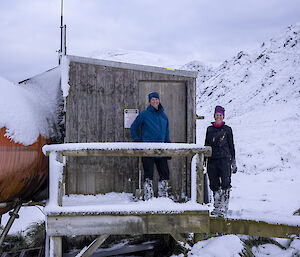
(127,149)
(58,151)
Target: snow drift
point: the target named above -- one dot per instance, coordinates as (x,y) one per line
(30,109)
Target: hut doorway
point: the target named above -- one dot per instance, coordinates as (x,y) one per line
(173,99)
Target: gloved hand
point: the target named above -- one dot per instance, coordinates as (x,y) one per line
(233,167)
(205,161)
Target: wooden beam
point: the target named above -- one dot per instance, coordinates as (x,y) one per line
(199,237)
(181,241)
(179,237)
(94,246)
(137,152)
(56,246)
(135,224)
(252,227)
(199,178)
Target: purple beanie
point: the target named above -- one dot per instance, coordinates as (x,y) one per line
(153,94)
(220,109)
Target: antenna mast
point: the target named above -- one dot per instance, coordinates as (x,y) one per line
(63,29)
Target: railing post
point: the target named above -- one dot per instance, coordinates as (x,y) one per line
(55,179)
(199,178)
(56,246)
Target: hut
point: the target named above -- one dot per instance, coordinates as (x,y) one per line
(103,99)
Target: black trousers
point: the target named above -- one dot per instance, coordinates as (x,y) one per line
(219,173)
(161,165)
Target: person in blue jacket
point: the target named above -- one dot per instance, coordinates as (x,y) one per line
(153,125)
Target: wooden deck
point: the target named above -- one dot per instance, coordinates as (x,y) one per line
(96,220)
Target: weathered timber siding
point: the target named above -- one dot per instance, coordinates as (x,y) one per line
(97,98)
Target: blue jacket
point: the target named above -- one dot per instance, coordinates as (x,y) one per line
(154,126)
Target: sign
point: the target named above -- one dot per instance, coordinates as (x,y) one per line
(129,116)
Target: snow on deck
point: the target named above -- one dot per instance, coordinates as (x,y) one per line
(120,203)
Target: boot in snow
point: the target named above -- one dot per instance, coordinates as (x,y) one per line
(217,203)
(148,189)
(163,187)
(225,201)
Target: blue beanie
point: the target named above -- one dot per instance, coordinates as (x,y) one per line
(153,94)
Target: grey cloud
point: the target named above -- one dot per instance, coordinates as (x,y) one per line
(210,31)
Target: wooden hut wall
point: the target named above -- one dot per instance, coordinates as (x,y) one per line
(97,98)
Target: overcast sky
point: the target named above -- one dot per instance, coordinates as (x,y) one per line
(183,30)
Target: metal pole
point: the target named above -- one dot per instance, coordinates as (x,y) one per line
(65,40)
(61,31)
(61,25)
(13,215)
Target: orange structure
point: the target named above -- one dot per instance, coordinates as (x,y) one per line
(23,169)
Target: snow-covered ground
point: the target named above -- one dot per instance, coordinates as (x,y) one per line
(260,92)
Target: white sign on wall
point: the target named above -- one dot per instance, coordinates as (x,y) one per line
(129,116)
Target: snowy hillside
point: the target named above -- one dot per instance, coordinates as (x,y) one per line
(260,93)
(204,72)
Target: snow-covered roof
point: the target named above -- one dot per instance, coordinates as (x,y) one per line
(29,109)
(131,66)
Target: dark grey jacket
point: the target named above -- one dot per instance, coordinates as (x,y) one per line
(221,141)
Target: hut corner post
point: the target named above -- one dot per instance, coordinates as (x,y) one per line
(56,178)
(56,163)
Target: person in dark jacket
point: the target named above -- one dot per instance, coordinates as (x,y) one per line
(222,162)
(154,127)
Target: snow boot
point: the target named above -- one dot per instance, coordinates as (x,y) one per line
(163,187)
(148,189)
(217,203)
(225,201)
